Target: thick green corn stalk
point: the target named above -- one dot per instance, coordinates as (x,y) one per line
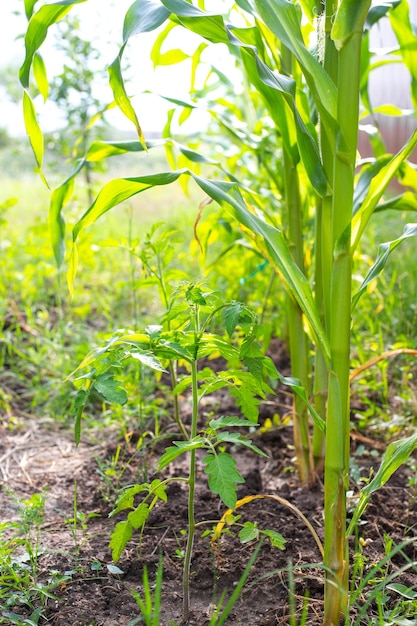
(298,340)
(347,33)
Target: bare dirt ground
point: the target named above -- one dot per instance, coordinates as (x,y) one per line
(39,458)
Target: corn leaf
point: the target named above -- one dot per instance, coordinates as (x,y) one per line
(349,20)
(282,18)
(223,477)
(37,30)
(39,72)
(395,455)
(34,132)
(376,188)
(29,6)
(121,98)
(407,38)
(384,251)
(228,196)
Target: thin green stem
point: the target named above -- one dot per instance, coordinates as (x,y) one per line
(191,496)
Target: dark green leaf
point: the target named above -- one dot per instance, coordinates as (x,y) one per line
(223,477)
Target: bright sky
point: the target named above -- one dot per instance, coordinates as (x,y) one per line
(104,21)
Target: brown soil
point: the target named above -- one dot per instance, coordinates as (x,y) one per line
(38,457)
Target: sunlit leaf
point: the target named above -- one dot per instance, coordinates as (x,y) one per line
(121,98)
(395,455)
(110,388)
(376,188)
(148,359)
(228,196)
(384,251)
(33,131)
(349,20)
(276,539)
(39,72)
(37,30)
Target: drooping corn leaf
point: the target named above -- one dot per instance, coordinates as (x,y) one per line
(228,196)
(29,6)
(407,38)
(34,132)
(376,188)
(39,72)
(283,19)
(120,96)
(395,455)
(37,30)
(143,16)
(384,251)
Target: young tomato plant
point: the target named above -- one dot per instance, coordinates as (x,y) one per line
(191,312)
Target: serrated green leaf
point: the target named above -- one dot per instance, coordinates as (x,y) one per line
(255,366)
(276,539)
(121,534)
(159,489)
(237,439)
(126,499)
(223,477)
(180,447)
(231,315)
(148,359)
(110,388)
(246,400)
(249,532)
(221,422)
(138,517)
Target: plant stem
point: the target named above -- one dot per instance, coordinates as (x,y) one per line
(338,422)
(191,495)
(298,341)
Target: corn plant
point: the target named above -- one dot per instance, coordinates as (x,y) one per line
(311,98)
